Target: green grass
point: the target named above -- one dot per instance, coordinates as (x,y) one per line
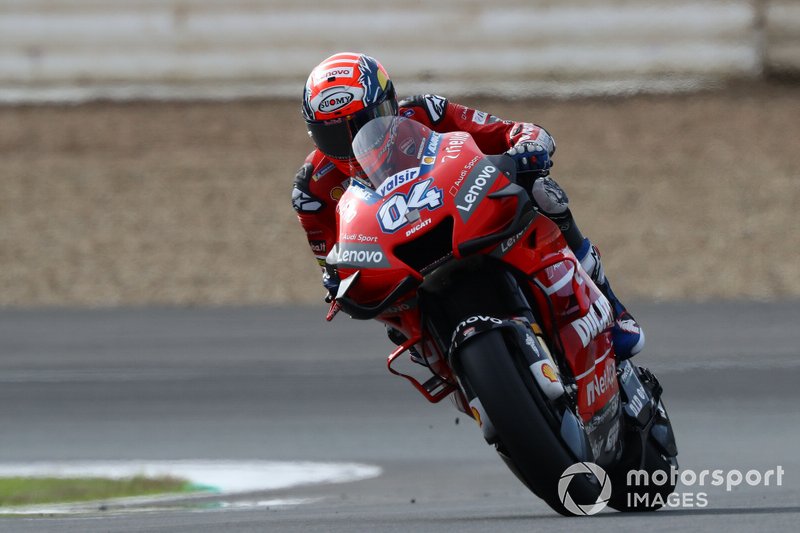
(35,490)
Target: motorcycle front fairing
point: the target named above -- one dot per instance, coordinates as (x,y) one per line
(435,197)
(419,199)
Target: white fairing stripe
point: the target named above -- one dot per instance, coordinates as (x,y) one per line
(558,285)
(596,361)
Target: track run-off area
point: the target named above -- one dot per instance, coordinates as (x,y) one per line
(278,384)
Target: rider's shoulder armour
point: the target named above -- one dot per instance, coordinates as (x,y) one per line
(434,106)
(303,201)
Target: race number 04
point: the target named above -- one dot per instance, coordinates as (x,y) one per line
(392,214)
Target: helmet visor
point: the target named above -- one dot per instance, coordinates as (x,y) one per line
(334,138)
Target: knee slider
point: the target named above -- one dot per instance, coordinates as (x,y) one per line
(549,197)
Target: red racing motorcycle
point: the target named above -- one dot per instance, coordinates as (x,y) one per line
(482,292)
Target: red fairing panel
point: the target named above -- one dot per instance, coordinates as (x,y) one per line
(585,337)
(582,314)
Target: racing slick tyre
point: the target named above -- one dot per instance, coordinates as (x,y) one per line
(538,456)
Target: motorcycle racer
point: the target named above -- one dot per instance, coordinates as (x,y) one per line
(347,90)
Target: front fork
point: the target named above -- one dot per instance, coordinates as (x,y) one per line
(643,410)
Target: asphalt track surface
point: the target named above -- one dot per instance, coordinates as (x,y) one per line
(281,384)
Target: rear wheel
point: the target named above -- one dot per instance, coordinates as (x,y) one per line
(645,492)
(527,438)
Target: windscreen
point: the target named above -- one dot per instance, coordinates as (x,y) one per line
(386,146)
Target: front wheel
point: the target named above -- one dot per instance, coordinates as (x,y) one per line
(527,439)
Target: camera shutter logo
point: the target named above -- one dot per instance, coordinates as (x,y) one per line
(590,508)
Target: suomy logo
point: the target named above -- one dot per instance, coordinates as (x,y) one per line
(335,101)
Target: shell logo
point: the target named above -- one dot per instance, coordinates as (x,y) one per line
(477,416)
(337,193)
(549,373)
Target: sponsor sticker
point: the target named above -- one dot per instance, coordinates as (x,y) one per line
(549,373)
(363,192)
(598,319)
(337,193)
(531,343)
(393,182)
(479,117)
(337,72)
(361,255)
(408,147)
(477,416)
(335,101)
(605,382)
(433,144)
(415,228)
(322,171)
(318,247)
(476,186)
(482,419)
(455,141)
(347,210)
(358,237)
(547,379)
(429,154)
(335,98)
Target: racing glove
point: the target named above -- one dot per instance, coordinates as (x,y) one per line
(531,156)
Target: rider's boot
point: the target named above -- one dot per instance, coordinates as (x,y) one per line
(628,335)
(551,200)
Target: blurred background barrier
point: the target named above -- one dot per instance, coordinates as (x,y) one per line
(690,196)
(81,49)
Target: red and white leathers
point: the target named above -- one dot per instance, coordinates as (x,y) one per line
(321,181)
